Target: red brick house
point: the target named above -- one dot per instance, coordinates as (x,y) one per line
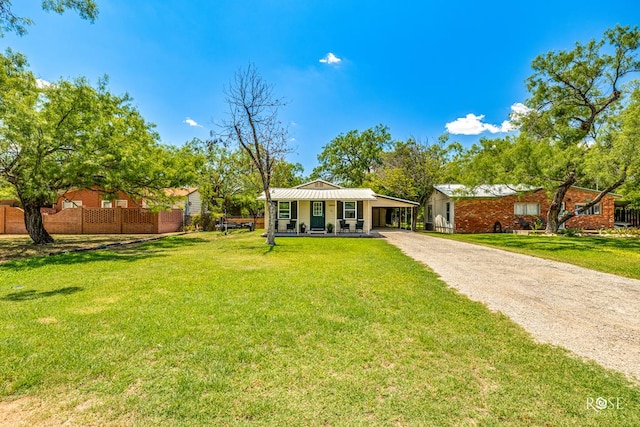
(87,198)
(453,208)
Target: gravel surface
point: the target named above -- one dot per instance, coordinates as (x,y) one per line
(595,315)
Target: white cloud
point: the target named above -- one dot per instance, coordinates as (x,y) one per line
(519,109)
(191,122)
(330,59)
(474,125)
(470,125)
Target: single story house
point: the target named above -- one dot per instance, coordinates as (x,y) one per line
(325,207)
(188,199)
(93,198)
(454,208)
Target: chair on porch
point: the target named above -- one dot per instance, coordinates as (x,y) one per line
(360,225)
(291,226)
(344,225)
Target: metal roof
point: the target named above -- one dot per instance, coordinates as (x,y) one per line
(321,194)
(498,190)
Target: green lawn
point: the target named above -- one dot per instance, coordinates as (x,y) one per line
(616,255)
(207,329)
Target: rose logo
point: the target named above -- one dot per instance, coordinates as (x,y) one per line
(601,403)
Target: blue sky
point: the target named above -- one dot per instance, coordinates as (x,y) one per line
(419,67)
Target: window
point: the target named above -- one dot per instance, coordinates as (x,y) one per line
(107,204)
(68,204)
(317,208)
(526,208)
(350,211)
(448,211)
(429,213)
(593,210)
(122,204)
(284,210)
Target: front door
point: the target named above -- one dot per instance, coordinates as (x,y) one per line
(317,215)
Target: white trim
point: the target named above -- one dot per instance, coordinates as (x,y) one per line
(354,210)
(70,204)
(288,210)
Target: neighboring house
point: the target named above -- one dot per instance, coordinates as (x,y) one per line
(92,198)
(453,208)
(188,199)
(320,203)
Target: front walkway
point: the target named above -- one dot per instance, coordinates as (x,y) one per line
(595,315)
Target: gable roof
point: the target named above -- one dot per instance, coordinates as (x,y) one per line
(496,190)
(323,184)
(320,194)
(323,190)
(180,192)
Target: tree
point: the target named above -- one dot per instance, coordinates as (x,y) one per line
(221,172)
(576,98)
(253,123)
(350,159)
(412,169)
(69,134)
(9,22)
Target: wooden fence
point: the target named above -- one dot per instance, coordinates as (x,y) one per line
(259,222)
(96,221)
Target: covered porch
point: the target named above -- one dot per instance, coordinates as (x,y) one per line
(320,208)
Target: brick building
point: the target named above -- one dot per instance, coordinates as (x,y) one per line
(453,208)
(87,198)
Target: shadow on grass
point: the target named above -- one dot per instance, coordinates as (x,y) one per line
(118,252)
(27,295)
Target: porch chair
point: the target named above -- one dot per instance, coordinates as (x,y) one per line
(291,226)
(344,225)
(360,225)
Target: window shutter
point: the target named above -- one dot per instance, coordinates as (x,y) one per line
(360,209)
(340,209)
(294,210)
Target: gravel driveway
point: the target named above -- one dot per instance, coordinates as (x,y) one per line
(595,315)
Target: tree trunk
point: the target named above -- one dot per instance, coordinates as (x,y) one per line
(553,215)
(271,227)
(35,226)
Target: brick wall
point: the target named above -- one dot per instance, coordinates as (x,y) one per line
(14,221)
(95,221)
(68,221)
(478,215)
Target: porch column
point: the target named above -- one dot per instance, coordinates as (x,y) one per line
(297,217)
(368,219)
(335,218)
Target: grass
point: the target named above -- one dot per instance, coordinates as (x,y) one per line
(615,255)
(206,329)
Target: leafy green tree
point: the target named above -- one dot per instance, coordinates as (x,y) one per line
(9,22)
(575,103)
(69,134)
(221,173)
(350,159)
(412,169)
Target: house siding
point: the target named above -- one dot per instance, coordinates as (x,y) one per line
(478,215)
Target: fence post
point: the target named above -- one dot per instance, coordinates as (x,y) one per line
(3,215)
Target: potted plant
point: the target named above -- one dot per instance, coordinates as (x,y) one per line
(329,228)
(303,228)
